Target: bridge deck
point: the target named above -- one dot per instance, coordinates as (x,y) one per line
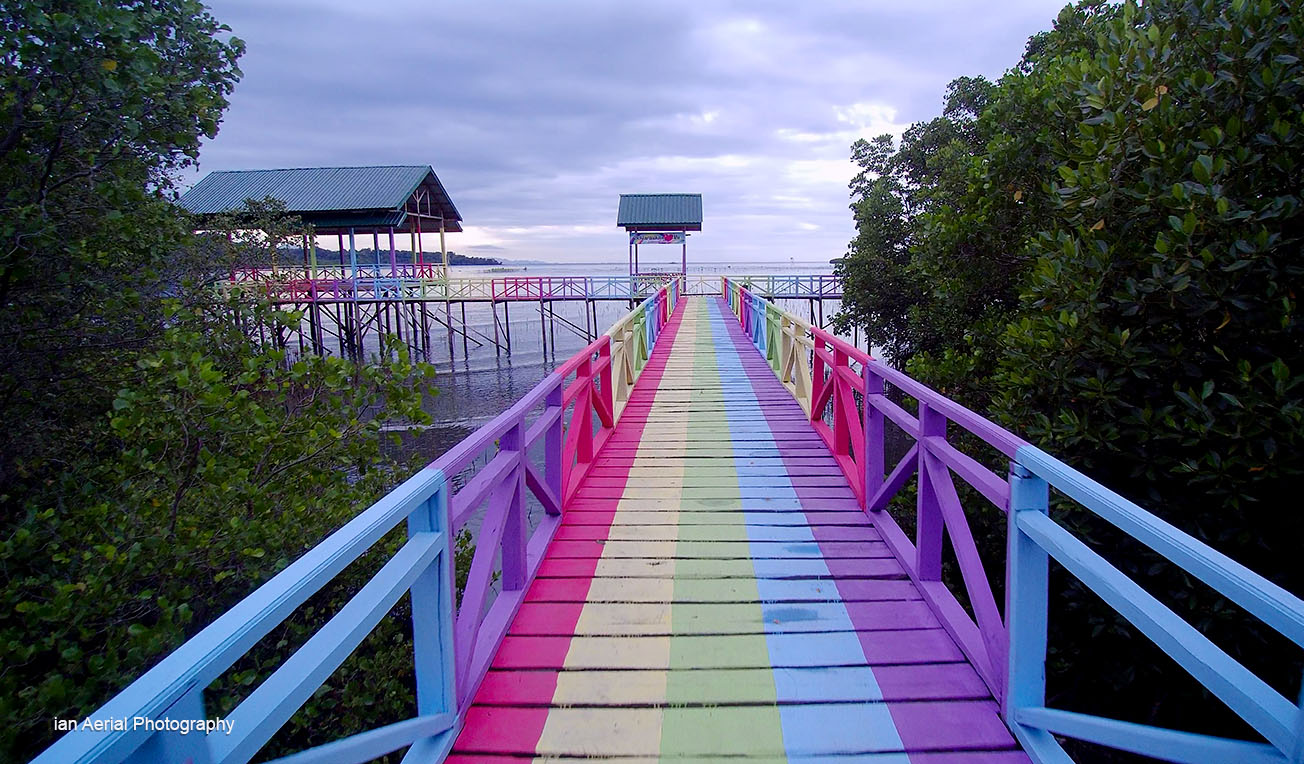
(714,591)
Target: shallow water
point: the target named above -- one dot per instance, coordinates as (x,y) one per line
(476,386)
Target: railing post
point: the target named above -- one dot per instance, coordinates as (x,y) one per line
(434,610)
(552,444)
(816,375)
(928,512)
(515,533)
(582,416)
(872,452)
(1026,570)
(606,392)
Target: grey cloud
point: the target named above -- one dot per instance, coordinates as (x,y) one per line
(540,114)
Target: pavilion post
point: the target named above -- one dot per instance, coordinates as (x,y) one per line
(311,242)
(443,249)
(393,255)
(421,250)
(683,267)
(353,262)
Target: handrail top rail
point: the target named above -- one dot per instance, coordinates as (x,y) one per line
(1270,603)
(200,660)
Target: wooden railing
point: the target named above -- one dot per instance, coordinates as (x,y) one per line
(300,284)
(1009,652)
(453,642)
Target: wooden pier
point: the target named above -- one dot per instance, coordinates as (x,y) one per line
(714,576)
(714,590)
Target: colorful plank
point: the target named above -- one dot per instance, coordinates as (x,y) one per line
(714,591)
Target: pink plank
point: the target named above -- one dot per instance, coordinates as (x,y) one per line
(522,734)
(524,688)
(533,652)
(569,590)
(501,730)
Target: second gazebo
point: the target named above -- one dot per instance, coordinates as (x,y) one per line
(659,219)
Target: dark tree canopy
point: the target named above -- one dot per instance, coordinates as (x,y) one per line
(159,458)
(101,103)
(1102,251)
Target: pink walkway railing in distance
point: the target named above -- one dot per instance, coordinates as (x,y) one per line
(300,284)
(542,447)
(845,394)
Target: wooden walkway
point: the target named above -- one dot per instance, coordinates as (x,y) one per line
(714,579)
(715,591)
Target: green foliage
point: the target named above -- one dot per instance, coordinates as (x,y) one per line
(231,462)
(1101,251)
(101,103)
(159,458)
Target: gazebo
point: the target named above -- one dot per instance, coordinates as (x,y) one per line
(659,219)
(342,201)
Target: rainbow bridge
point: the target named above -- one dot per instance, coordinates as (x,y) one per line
(712,575)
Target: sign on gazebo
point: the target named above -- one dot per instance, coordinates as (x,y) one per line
(657,237)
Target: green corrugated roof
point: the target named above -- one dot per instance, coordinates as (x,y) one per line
(326,195)
(681,212)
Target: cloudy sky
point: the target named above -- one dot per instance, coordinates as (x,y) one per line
(538,115)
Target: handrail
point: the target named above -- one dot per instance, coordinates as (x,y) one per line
(453,642)
(1010,653)
(299,283)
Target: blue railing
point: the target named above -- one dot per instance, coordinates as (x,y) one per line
(1034,539)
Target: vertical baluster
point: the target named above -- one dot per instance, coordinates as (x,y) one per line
(434,609)
(772,344)
(515,534)
(605,391)
(841,393)
(583,415)
(816,376)
(928,513)
(872,453)
(1026,569)
(552,443)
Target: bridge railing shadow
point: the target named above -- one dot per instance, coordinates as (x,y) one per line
(541,447)
(845,393)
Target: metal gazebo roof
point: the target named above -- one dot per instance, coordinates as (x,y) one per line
(660,212)
(333,198)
